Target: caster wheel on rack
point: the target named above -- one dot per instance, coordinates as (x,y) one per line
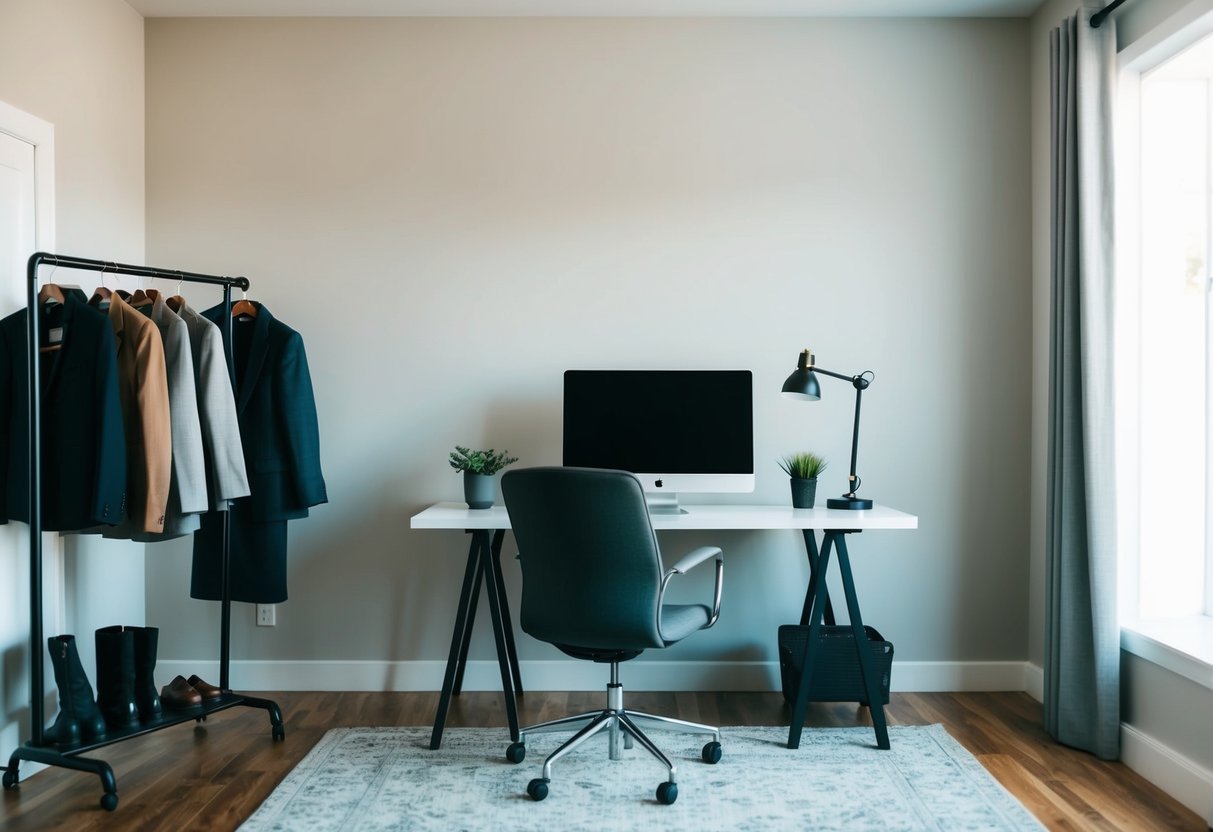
(278,732)
(9,779)
(711,753)
(667,793)
(109,801)
(516,753)
(537,788)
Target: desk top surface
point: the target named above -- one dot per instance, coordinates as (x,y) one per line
(454,515)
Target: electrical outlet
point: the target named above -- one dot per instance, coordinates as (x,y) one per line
(266,615)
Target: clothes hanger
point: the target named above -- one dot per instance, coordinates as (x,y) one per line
(102,294)
(176,301)
(48,296)
(244,307)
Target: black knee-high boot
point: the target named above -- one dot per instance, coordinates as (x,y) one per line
(116,676)
(147,700)
(79,719)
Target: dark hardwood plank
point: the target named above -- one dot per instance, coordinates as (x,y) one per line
(211,776)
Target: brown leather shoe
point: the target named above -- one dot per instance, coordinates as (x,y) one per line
(208,691)
(179,694)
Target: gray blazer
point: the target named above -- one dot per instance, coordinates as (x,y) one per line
(187,492)
(225,471)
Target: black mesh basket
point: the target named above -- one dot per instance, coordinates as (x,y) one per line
(836,674)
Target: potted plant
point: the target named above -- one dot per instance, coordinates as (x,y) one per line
(478,468)
(803,468)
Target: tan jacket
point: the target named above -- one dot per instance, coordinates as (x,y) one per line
(143,391)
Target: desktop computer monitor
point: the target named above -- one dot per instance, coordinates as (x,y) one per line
(677,430)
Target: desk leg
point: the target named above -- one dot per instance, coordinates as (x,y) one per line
(506,621)
(866,666)
(463,623)
(462,664)
(806,674)
(492,580)
(810,548)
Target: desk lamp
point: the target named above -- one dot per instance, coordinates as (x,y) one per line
(802,384)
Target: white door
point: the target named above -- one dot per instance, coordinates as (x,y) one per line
(20,216)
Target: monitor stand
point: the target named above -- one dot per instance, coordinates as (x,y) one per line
(666,503)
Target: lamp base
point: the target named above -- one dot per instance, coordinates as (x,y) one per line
(848,502)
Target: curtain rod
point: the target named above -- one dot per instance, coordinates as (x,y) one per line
(1102,14)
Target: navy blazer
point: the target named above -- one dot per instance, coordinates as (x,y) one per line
(276,409)
(83,442)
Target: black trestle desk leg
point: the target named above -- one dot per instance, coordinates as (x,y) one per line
(866,665)
(461,623)
(503,657)
(810,548)
(478,547)
(506,622)
(806,673)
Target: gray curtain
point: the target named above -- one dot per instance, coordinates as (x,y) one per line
(1082,634)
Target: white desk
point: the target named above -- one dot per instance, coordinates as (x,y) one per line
(487,527)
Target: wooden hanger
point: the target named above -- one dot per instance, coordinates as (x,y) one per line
(50,293)
(176,301)
(244,306)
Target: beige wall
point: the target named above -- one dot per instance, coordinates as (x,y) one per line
(454,212)
(78,64)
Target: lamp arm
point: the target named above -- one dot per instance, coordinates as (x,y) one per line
(860,383)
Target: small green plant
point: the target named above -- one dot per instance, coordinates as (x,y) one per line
(804,465)
(480,462)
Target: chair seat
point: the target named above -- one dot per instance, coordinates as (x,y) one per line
(680,620)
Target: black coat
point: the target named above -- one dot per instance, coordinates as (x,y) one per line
(83,442)
(280,432)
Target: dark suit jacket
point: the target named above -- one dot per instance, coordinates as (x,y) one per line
(280,432)
(83,442)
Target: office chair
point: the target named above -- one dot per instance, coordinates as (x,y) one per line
(593,585)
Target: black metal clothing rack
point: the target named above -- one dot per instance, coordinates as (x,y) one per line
(36,750)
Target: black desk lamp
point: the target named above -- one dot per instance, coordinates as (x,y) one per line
(802,384)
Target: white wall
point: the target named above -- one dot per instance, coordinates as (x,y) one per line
(78,64)
(454,212)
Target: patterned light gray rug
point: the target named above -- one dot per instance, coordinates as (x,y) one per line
(387,778)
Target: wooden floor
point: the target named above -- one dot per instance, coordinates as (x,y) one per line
(213,776)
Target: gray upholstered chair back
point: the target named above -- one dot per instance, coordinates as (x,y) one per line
(591,568)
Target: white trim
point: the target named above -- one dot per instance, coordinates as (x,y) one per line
(1183,646)
(575,675)
(1179,31)
(1034,681)
(1185,780)
(41,134)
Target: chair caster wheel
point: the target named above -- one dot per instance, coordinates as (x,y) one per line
(711,753)
(537,788)
(9,779)
(667,793)
(109,801)
(516,753)
(278,732)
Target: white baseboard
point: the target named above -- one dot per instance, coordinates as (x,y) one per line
(1185,780)
(1034,681)
(576,675)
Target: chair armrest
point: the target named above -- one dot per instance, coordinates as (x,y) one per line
(688,562)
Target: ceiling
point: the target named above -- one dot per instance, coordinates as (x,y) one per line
(585,8)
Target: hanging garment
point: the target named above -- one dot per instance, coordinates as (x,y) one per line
(143,391)
(83,443)
(223,450)
(187,487)
(280,434)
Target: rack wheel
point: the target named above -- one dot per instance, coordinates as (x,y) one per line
(667,793)
(9,779)
(278,732)
(109,801)
(537,788)
(516,753)
(711,753)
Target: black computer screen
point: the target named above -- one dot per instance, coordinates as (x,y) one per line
(660,421)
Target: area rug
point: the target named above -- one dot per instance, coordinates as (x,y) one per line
(388,779)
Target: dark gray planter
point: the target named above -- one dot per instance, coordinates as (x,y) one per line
(804,492)
(479,489)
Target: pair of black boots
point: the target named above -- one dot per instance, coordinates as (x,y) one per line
(126,691)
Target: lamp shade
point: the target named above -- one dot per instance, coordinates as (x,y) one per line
(802,383)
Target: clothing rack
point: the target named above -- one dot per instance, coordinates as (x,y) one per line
(36,750)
